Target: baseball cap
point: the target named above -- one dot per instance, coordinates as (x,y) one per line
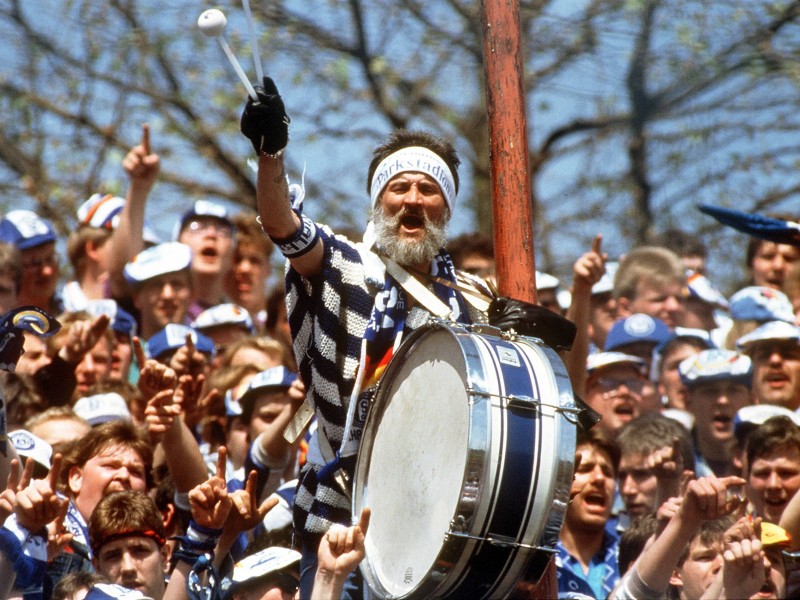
(173,336)
(274,377)
(25,229)
(716,365)
(606,283)
(101,211)
(102,408)
(600,360)
(748,418)
(202,208)
(122,321)
(263,563)
(224,314)
(109,591)
(168,257)
(773,330)
(545,281)
(28,445)
(760,303)
(637,328)
(700,287)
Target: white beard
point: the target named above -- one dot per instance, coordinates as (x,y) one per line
(406,252)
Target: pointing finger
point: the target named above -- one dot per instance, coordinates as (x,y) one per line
(146,138)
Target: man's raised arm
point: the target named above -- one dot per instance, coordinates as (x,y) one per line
(266,124)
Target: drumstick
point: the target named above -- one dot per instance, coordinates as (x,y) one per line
(253,42)
(212,23)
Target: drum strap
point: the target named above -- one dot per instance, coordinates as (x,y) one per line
(415,288)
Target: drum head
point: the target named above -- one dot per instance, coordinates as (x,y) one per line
(412,461)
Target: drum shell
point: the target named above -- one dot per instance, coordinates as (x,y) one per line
(517,438)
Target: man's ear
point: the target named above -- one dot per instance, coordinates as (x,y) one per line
(676,579)
(166,552)
(623,307)
(75,479)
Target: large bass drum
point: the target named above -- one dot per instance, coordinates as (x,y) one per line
(466,463)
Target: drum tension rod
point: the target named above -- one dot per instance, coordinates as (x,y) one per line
(525,402)
(500,540)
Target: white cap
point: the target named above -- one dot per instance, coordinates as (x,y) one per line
(774,330)
(599,360)
(264,562)
(168,257)
(545,281)
(28,445)
(224,314)
(102,408)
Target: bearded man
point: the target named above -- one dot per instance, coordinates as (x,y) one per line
(348,303)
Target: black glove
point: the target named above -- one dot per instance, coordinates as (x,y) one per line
(532,320)
(265,122)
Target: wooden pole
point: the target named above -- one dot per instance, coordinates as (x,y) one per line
(508,150)
(512,204)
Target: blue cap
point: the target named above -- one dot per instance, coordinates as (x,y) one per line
(760,303)
(25,229)
(274,377)
(716,365)
(122,321)
(637,328)
(224,314)
(202,208)
(173,336)
(772,331)
(169,257)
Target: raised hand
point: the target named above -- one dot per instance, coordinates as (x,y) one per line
(141,164)
(187,360)
(265,122)
(153,376)
(161,412)
(82,337)
(38,504)
(15,483)
(209,501)
(743,572)
(247,513)
(57,536)
(708,498)
(590,267)
(342,548)
(667,465)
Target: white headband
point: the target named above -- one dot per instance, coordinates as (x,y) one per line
(414,158)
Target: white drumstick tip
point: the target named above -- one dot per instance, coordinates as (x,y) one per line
(212,23)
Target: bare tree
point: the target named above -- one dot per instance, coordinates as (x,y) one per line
(637,110)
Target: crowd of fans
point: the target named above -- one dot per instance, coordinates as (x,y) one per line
(146,454)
